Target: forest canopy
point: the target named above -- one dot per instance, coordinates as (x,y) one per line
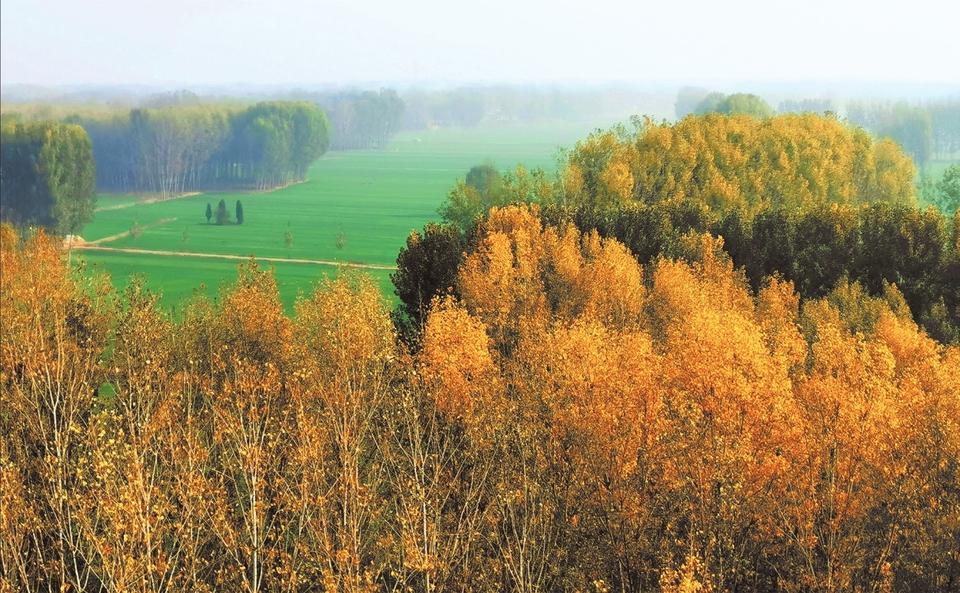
(571,418)
(739,162)
(805,198)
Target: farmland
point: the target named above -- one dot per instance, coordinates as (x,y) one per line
(355,207)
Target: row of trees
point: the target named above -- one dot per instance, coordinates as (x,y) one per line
(363,119)
(470,106)
(572,421)
(926,131)
(47,175)
(222,216)
(807,106)
(186,147)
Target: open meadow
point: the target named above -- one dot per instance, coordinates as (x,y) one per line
(356,207)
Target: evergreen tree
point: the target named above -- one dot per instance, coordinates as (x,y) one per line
(239,212)
(209,212)
(223,217)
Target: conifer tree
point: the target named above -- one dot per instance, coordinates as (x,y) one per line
(223,217)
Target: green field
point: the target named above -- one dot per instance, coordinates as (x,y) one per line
(370,199)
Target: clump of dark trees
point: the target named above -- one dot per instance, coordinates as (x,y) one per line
(47,175)
(222,216)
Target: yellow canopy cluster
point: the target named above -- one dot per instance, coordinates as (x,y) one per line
(726,162)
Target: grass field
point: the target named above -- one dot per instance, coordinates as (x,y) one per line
(176,278)
(370,199)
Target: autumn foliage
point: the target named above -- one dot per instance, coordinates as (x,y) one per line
(570,421)
(739,161)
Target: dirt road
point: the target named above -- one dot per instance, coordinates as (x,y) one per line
(291,260)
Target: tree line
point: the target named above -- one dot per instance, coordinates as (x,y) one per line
(179,148)
(50,170)
(47,174)
(926,131)
(570,420)
(470,106)
(362,119)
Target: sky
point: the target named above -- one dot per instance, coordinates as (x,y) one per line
(286,42)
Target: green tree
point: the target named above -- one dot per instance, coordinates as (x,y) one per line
(735,104)
(948,190)
(276,141)
(223,217)
(426,268)
(482,189)
(239,210)
(48,175)
(710,103)
(745,104)
(484,178)
(209,212)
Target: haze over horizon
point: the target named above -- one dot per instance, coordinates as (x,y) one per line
(210,42)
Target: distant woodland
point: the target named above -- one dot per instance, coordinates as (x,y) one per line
(927,130)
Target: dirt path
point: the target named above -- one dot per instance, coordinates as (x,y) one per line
(139,202)
(109,238)
(190,194)
(291,260)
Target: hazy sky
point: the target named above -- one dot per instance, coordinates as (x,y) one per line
(333,41)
